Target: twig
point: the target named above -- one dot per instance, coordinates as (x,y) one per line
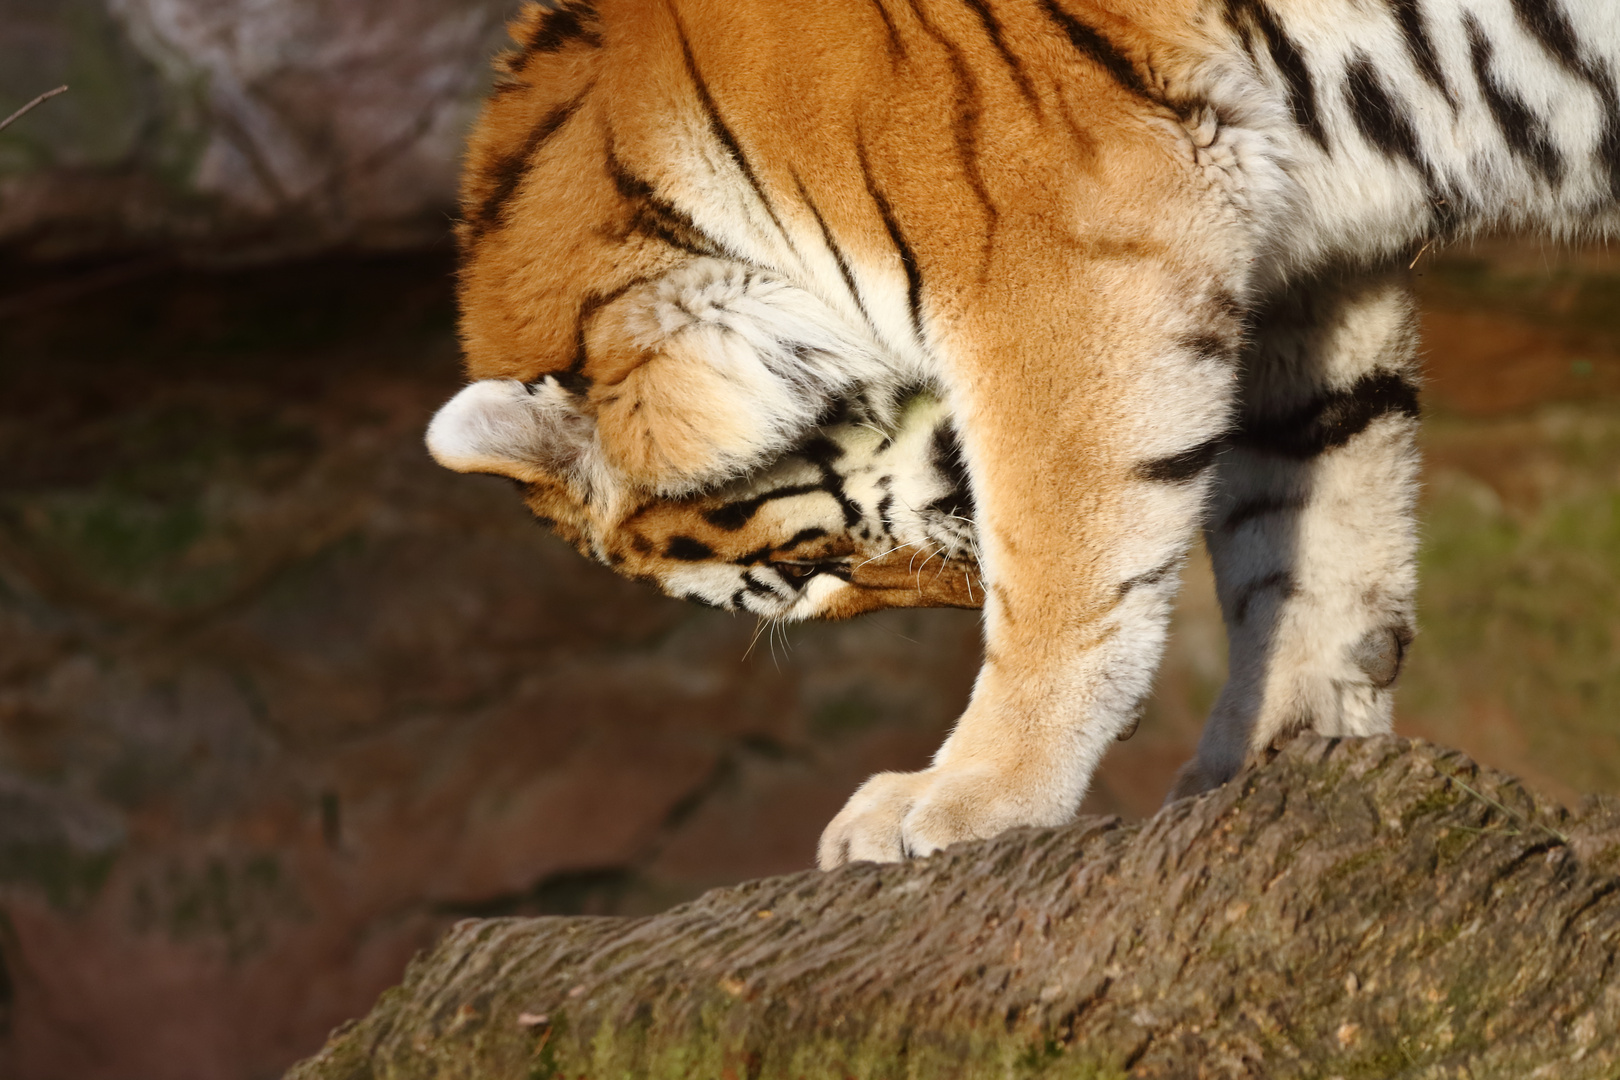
(28,108)
(1522,821)
(1426,244)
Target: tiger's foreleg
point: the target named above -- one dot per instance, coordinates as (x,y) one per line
(1311,524)
(1089,429)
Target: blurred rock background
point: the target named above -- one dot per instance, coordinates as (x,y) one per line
(239,128)
(279,699)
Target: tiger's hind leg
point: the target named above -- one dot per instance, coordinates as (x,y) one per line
(1311,526)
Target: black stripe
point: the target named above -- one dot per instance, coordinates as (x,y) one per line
(1281,580)
(734,516)
(1151,577)
(1333,419)
(1014,63)
(1210,347)
(597,300)
(510,171)
(593,302)
(574,379)
(1179,467)
(1548,24)
(908,258)
(1523,131)
(897,47)
(576,366)
(1288,59)
(626,183)
(1082,139)
(1240,25)
(757,587)
(884,506)
(822,452)
(1245,512)
(965,128)
(1290,62)
(946,457)
(575,382)
(758,555)
(588,306)
(676,230)
(1420,47)
(1094,46)
(1380,120)
(845,270)
(803,536)
(1234,310)
(721,131)
(664,221)
(655,216)
(688,549)
(575,22)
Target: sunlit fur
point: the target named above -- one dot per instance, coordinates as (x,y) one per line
(858,516)
(806,309)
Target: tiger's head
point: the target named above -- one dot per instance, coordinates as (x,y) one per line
(672,407)
(869,510)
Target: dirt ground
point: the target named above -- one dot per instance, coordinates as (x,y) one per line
(280,699)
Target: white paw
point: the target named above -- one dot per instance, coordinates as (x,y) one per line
(895,816)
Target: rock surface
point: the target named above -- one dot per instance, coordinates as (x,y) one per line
(1349,908)
(280,699)
(244,127)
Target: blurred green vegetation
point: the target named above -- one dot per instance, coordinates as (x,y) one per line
(1544,284)
(1519,652)
(149,418)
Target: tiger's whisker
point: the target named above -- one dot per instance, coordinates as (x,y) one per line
(882,554)
(759,628)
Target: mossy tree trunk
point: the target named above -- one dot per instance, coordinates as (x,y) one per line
(1372,908)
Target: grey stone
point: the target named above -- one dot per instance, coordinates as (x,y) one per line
(238,128)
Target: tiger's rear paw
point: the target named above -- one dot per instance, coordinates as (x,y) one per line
(895,816)
(1195,778)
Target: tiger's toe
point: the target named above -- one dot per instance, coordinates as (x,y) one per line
(896,816)
(868,828)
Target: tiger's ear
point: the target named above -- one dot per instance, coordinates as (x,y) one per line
(529,432)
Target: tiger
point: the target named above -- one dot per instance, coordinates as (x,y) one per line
(773,305)
(871,510)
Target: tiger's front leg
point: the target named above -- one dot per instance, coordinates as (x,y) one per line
(1089,437)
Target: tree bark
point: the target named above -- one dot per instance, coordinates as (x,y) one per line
(1350,908)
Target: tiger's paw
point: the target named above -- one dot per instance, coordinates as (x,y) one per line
(896,816)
